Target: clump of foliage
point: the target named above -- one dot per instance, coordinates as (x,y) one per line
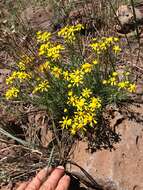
(73,79)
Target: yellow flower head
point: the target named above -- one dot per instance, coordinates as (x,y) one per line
(56,72)
(104,82)
(55,52)
(43,36)
(80,103)
(132,88)
(70,93)
(114,74)
(45,66)
(21,75)
(86,93)
(21,66)
(66,122)
(112,81)
(95,62)
(12,93)
(76,77)
(66,75)
(87,67)
(72,100)
(123,84)
(95,103)
(41,87)
(116,49)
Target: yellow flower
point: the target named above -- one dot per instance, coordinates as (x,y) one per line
(55,52)
(68,32)
(65,110)
(87,67)
(10,80)
(104,82)
(116,39)
(44,48)
(116,49)
(66,75)
(21,75)
(95,103)
(21,66)
(12,93)
(86,93)
(95,46)
(123,84)
(45,66)
(112,81)
(73,131)
(76,77)
(80,103)
(105,43)
(103,46)
(43,37)
(132,88)
(66,122)
(78,27)
(109,40)
(72,100)
(95,62)
(70,93)
(25,59)
(114,74)
(41,87)
(56,72)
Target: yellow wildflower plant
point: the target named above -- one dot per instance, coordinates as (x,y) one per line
(72,100)
(80,103)
(114,74)
(70,93)
(51,50)
(73,79)
(10,79)
(25,60)
(22,75)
